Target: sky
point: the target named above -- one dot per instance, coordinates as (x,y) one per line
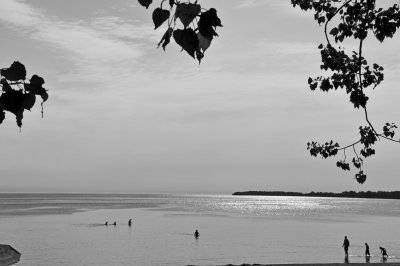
(126,117)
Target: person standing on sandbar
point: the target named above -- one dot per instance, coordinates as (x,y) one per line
(367,250)
(346,245)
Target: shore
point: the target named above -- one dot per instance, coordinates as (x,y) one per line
(316,264)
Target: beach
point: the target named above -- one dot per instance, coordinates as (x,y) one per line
(317,264)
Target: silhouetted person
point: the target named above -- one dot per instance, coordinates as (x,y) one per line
(130,222)
(383,251)
(106,223)
(196,234)
(115,223)
(346,245)
(367,250)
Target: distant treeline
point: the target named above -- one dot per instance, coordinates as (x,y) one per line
(345,194)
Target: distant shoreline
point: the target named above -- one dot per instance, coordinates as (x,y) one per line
(345,194)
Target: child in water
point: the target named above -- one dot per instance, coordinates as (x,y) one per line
(383,251)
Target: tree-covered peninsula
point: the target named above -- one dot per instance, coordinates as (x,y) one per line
(345,194)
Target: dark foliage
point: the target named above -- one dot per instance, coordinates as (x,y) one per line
(351,71)
(199,27)
(345,194)
(145,3)
(17,94)
(159,17)
(188,40)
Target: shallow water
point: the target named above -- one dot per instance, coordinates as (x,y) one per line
(68,229)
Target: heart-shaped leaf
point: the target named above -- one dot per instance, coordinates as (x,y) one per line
(15,72)
(208,20)
(159,16)
(187,39)
(145,3)
(186,12)
(44,96)
(35,85)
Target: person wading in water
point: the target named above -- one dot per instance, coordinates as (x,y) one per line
(346,245)
(367,250)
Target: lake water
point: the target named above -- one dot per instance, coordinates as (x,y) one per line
(68,229)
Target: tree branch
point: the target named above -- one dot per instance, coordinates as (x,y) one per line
(360,63)
(348,146)
(383,136)
(329,19)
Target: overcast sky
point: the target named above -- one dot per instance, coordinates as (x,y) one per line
(124,116)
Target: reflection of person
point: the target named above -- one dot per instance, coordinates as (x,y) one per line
(130,222)
(196,234)
(367,250)
(383,251)
(346,245)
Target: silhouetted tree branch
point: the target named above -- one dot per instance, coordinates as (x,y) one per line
(17,94)
(199,25)
(351,72)
(356,19)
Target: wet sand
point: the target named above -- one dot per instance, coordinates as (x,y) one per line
(315,264)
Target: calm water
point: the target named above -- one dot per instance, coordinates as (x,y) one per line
(67,229)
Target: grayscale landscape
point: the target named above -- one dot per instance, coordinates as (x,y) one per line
(127,126)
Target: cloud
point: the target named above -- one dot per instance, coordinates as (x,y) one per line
(85,42)
(18,13)
(286,48)
(250,3)
(94,46)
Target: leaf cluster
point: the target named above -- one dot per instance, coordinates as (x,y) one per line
(368,138)
(343,165)
(199,25)
(356,20)
(17,93)
(389,130)
(356,17)
(346,72)
(351,72)
(325,150)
